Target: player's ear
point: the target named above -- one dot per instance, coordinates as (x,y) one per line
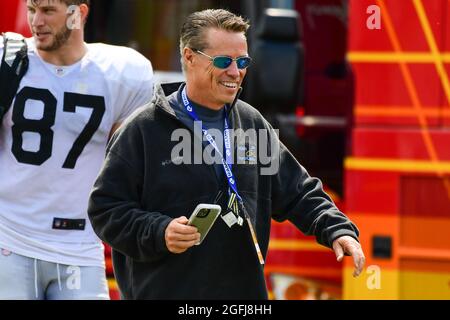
(84,12)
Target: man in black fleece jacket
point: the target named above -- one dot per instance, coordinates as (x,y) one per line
(146,191)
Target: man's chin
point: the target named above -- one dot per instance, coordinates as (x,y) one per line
(230,98)
(42,48)
(45,46)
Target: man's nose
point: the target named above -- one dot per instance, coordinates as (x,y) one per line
(37,19)
(233,70)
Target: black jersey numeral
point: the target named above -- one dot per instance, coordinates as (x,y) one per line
(97,103)
(43,126)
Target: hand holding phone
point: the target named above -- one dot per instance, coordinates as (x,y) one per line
(179,236)
(203,218)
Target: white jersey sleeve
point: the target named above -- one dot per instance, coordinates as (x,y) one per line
(131,73)
(142,86)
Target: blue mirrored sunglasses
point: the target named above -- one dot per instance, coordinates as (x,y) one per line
(223,62)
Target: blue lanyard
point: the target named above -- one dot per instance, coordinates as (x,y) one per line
(227,161)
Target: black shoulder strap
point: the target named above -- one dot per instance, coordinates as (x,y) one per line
(13,67)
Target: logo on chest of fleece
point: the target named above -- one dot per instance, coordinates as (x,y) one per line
(239,147)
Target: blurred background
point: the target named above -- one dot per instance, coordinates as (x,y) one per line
(360,90)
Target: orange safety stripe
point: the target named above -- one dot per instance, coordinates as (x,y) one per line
(302,271)
(399,111)
(380,164)
(295,245)
(396,57)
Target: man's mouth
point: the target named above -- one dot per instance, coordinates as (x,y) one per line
(42,34)
(229,85)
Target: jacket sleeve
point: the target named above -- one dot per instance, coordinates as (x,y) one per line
(114,205)
(300,198)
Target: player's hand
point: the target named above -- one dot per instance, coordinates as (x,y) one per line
(179,236)
(349,245)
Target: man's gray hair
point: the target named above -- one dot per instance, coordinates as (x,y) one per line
(193,29)
(67,2)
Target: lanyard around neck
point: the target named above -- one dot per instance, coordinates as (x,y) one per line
(227,160)
(226,163)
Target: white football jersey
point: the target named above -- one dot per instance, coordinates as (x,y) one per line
(52,145)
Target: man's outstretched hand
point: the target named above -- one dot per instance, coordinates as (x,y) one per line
(349,245)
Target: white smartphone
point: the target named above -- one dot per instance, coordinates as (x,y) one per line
(203,218)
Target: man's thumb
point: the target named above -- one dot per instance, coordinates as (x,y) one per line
(182,220)
(338,251)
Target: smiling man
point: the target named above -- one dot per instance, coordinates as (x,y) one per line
(52,144)
(141,201)
(214,83)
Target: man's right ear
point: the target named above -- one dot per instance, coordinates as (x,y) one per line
(188,56)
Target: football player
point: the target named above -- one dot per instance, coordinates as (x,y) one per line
(52,144)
